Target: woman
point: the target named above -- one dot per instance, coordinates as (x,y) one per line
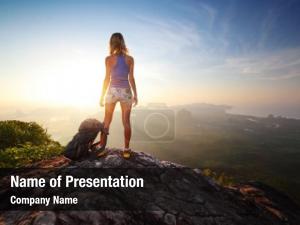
(118,86)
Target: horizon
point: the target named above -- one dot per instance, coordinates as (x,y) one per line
(19,112)
(242,54)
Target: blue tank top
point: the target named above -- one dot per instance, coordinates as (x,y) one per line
(119,73)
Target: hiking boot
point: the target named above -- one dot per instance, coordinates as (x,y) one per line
(126,153)
(98,149)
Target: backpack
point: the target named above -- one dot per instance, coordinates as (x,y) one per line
(83,140)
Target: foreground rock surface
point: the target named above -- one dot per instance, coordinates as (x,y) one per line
(203,202)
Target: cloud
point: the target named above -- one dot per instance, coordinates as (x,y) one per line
(206,13)
(206,40)
(168,35)
(280,65)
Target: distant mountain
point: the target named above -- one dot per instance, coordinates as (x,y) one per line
(203,107)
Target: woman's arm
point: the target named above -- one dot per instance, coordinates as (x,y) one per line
(105,82)
(132,82)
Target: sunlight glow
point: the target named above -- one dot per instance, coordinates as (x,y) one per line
(66,81)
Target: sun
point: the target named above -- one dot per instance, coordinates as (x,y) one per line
(68,83)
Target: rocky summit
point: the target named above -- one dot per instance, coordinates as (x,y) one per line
(194,200)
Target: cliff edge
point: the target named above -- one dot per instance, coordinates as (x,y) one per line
(196,200)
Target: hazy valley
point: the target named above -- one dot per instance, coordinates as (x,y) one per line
(198,135)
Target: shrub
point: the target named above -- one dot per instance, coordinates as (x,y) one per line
(22,143)
(19,156)
(220,179)
(14,133)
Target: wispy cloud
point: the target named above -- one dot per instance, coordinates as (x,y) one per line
(199,10)
(272,66)
(168,35)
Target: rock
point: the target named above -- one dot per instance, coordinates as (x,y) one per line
(45,218)
(170,219)
(189,200)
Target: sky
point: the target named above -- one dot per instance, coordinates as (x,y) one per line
(241,53)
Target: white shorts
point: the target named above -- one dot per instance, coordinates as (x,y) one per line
(115,94)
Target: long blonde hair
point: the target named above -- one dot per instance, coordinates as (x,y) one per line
(117,44)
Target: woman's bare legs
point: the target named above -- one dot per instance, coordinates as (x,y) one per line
(109,111)
(126,110)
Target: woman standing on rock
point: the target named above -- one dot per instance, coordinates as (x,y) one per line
(118,86)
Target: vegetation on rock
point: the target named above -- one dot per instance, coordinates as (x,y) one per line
(25,142)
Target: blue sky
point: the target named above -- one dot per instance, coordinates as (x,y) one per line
(241,53)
